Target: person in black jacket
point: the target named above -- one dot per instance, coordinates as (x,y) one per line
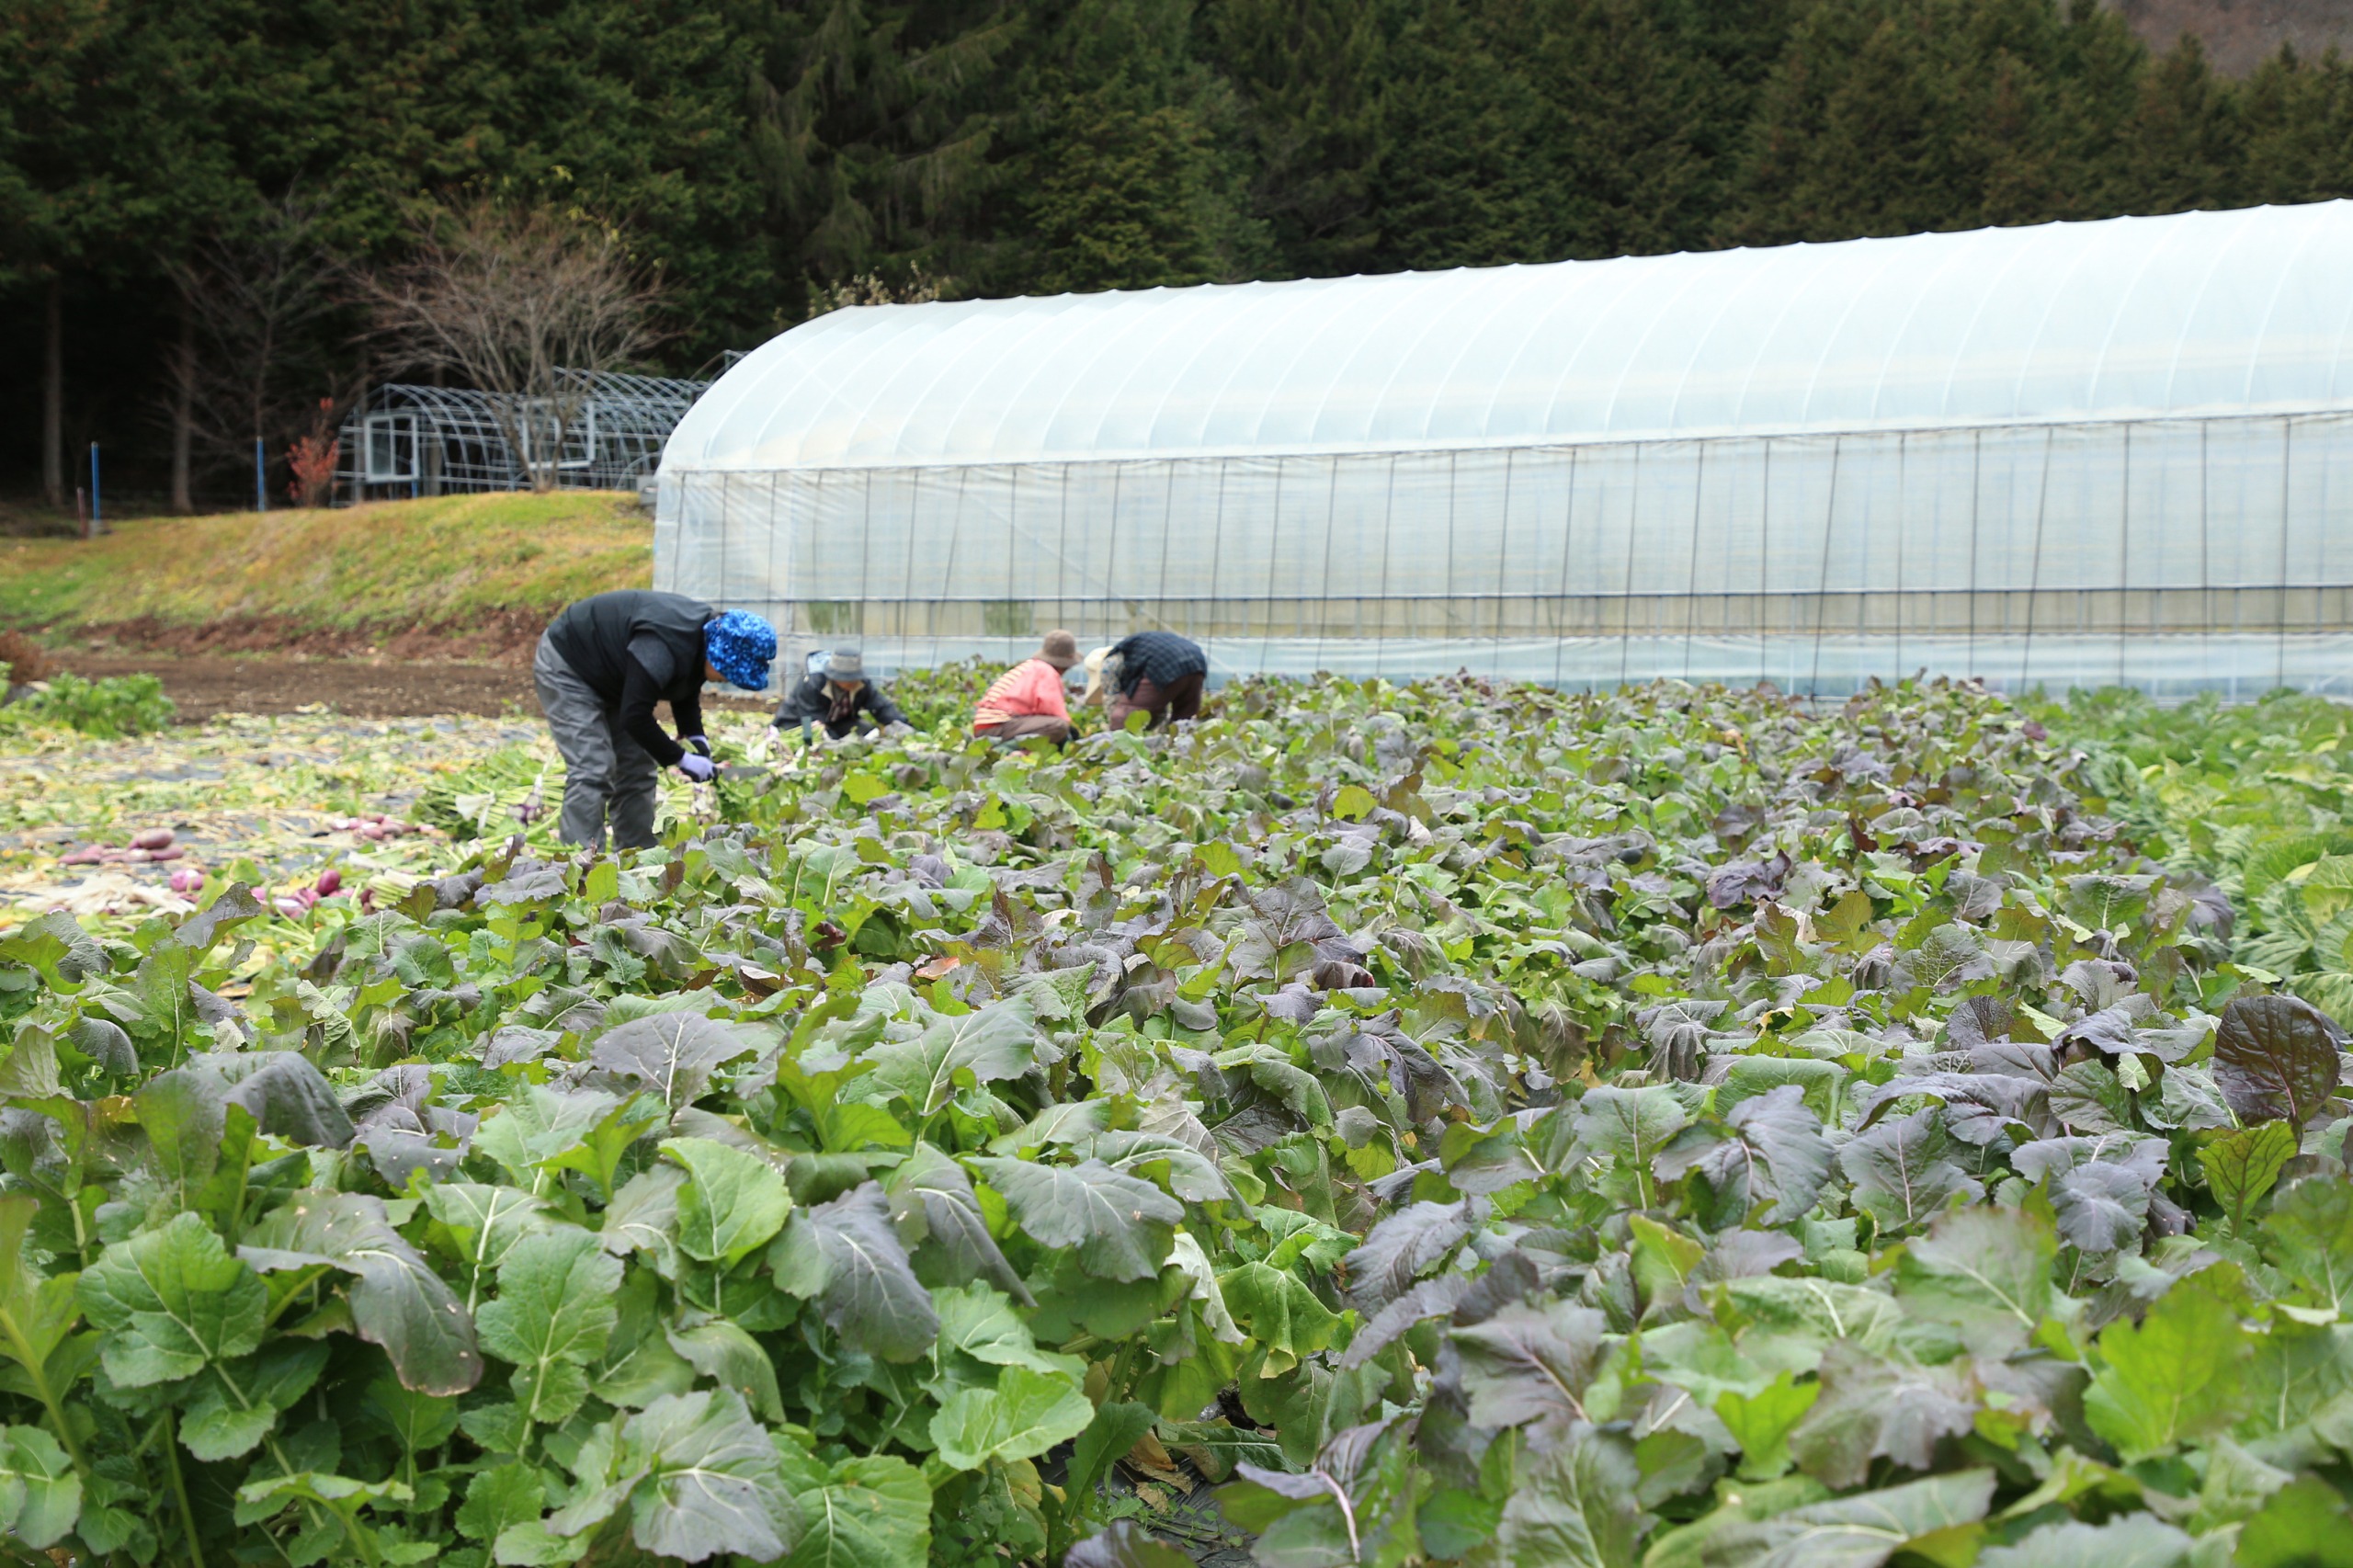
(840,697)
(602,664)
(1154,673)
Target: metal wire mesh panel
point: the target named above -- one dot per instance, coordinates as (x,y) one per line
(606,433)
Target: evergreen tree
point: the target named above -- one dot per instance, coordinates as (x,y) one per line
(2184,150)
(1463,182)
(1128,173)
(2298,119)
(872,127)
(1308,73)
(1624,125)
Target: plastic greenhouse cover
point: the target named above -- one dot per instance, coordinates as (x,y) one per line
(2191,313)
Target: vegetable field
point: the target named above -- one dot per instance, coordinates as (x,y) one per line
(1441,1124)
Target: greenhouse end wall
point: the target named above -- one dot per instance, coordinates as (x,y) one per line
(2178,555)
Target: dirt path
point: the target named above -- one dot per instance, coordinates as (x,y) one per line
(203,685)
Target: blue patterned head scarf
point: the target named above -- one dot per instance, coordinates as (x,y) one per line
(740,646)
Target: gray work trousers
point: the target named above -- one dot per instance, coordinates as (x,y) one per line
(607,774)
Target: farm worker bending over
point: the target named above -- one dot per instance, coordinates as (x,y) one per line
(1155,673)
(602,666)
(836,695)
(1025,702)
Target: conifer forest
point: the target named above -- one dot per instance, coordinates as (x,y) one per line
(762,161)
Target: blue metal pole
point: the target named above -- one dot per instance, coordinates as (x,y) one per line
(97,519)
(261,478)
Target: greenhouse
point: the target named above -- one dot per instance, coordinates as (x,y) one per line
(604,431)
(2070,454)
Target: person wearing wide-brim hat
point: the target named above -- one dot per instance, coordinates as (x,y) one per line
(1157,673)
(841,698)
(1025,702)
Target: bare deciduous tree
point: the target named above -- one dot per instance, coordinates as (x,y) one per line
(255,349)
(525,303)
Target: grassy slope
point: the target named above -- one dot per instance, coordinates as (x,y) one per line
(397,563)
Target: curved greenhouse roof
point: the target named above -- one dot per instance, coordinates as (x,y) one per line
(2241,311)
(2082,453)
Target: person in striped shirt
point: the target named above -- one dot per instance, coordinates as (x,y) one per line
(1025,702)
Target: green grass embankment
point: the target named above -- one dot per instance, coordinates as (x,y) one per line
(442,563)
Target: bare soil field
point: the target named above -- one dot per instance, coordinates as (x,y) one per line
(204,684)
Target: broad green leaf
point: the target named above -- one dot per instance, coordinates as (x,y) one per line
(1632,1125)
(1761,1423)
(643,1216)
(1745,1077)
(868,1513)
(1183,1169)
(1861,1531)
(1400,1247)
(2237,1484)
(734,1201)
(1282,1315)
(846,1255)
(1663,1260)
(1901,1173)
(416,1421)
(397,1300)
(500,1498)
(711,1482)
(233,1407)
(539,1126)
(1876,1408)
(640,1365)
(982,1047)
(2309,1237)
(36,1313)
(1530,1363)
(484,1221)
(2297,1369)
(1121,1227)
(1700,1358)
(40,1495)
(1774,1160)
(1695,1545)
(673,1054)
(725,1353)
(2304,1525)
(1115,1430)
(2241,1165)
(978,1321)
(1574,1507)
(598,1154)
(1026,1414)
(2134,1540)
(554,1312)
(939,1217)
(1805,1316)
(171,1301)
(1061,1124)
(2176,1375)
(1984,1270)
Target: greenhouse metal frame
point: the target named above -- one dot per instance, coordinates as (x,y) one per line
(2070,454)
(607,428)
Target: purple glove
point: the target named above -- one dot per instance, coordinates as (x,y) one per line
(697,767)
(696,744)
